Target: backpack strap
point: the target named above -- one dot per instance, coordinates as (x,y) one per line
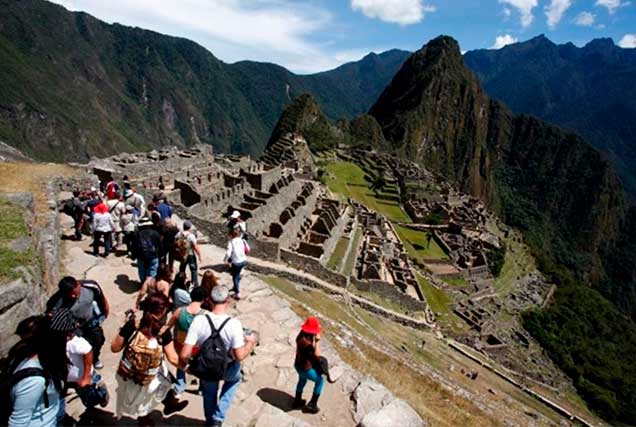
(31,372)
(215,331)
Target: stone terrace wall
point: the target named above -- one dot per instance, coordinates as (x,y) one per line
(336,233)
(263,216)
(389,292)
(293,226)
(313,267)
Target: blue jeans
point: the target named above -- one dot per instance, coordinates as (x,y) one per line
(235,269)
(311,375)
(191,262)
(181,384)
(147,268)
(216,407)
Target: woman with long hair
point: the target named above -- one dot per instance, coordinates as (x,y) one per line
(143,379)
(179,291)
(181,320)
(36,398)
(159,284)
(208,282)
(307,358)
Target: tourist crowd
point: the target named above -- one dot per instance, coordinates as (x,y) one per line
(173,322)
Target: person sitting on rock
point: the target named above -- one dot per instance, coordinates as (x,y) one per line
(307,357)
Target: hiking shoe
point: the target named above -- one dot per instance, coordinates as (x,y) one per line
(299,403)
(98,364)
(311,408)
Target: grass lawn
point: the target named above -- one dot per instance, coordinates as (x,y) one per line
(437,300)
(351,257)
(12,226)
(338,254)
(458,282)
(416,244)
(347,178)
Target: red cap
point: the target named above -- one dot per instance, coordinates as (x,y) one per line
(311,326)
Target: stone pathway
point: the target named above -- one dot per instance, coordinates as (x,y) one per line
(264,398)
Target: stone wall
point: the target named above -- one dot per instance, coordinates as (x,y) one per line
(27,295)
(390,292)
(263,216)
(330,244)
(290,230)
(313,267)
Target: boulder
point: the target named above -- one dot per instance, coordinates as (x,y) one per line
(274,417)
(370,396)
(396,413)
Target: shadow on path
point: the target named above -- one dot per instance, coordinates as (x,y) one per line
(100,417)
(277,398)
(126,285)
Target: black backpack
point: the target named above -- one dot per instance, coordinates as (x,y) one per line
(7,384)
(143,247)
(213,358)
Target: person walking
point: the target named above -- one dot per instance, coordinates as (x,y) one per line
(103,227)
(146,244)
(143,379)
(163,207)
(136,200)
(37,368)
(186,242)
(181,320)
(161,284)
(208,329)
(81,375)
(169,231)
(307,360)
(208,282)
(117,210)
(89,307)
(236,259)
(179,291)
(236,222)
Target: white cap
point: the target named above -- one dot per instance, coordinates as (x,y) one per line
(235,214)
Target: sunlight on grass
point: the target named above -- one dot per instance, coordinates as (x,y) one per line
(347,179)
(417,244)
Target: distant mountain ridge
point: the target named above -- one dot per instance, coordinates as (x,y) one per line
(72,87)
(589,90)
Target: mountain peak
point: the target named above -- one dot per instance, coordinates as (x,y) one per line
(600,44)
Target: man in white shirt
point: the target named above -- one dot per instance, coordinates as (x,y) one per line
(236,259)
(136,200)
(116,209)
(239,347)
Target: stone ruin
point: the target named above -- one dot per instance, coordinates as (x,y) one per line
(383,264)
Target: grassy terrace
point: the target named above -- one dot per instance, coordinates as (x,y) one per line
(12,226)
(347,178)
(338,254)
(350,262)
(417,246)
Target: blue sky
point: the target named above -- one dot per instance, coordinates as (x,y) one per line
(315,35)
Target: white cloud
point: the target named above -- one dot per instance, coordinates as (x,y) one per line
(612,5)
(525,9)
(628,41)
(585,19)
(555,10)
(507,12)
(502,41)
(279,31)
(402,12)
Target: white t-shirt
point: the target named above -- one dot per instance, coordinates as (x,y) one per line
(235,252)
(76,348)
(231,334)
